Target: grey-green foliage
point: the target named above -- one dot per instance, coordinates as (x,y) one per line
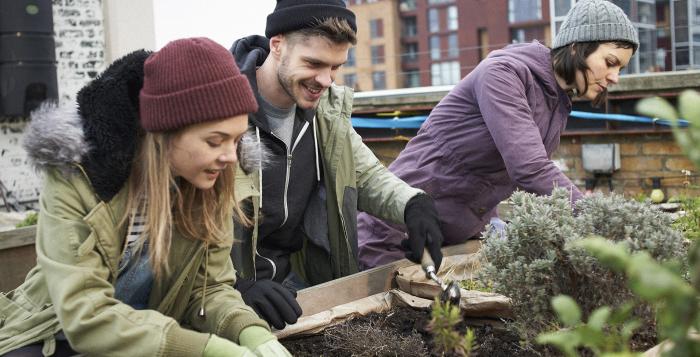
(538,260)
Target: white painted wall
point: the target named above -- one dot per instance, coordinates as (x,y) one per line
(129,26)
(80,56)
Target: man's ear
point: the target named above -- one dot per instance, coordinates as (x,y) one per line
(277,43)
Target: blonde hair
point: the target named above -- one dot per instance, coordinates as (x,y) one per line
(167,202)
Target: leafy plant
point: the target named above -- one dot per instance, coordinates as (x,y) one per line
(689,222)
(31,219)
(663,286)
(473,284)
(606,333)
(538,260)
(445,318)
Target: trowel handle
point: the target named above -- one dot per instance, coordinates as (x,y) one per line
(427,262)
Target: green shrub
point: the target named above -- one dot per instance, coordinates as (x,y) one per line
(539,259)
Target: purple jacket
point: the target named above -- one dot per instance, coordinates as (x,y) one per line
(495,131)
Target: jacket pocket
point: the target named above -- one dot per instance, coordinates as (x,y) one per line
(315,223)
(22,323)
(483,193)
(11,310)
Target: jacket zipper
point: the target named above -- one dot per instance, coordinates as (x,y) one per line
(286,186)
(289,169)
(274,267)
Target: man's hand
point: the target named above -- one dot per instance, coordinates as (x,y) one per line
(423,226)
(271,301)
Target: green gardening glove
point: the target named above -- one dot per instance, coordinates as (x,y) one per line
(262,342)
(220,347)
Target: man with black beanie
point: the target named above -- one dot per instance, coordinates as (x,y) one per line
(305,198)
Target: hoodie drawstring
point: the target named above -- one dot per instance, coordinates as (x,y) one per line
(202,312)
(257,133)
(318,171)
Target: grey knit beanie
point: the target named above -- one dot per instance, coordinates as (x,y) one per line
(595,20)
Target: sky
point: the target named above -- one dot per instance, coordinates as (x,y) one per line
(221,20)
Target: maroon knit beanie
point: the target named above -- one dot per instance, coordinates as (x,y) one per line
(190,81)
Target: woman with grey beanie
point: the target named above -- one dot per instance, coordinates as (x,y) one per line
(496,130)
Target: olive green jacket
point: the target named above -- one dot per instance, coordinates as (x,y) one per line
(353,178)
(79,244)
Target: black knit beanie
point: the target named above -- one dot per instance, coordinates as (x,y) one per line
(292,15)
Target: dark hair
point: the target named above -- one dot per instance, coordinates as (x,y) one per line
(335,29)
(566,60)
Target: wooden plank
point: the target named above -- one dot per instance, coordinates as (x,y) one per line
(369,282)
(15,263)
(17,237)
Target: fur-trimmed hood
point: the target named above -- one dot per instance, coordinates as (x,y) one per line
(101,132)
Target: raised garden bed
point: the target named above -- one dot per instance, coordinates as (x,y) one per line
(402,331)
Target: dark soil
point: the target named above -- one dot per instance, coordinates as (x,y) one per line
(400,332)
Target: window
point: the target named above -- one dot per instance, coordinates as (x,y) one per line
(483,35)
(452,21)
(524,10)
(407,5)
(409,26)
(681,23)
(517,36)
(376,28)
(625,5)
(351,58)
(523,35)
(350,80)
(445,73)
(410,52)
(561,7)
(433,20)
(412,79)
(452,45)
(647,50)
(432,2)
(434,47)
(682,56)
(378,80)
(646,13)
(377,54)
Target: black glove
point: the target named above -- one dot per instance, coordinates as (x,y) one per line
(423,225)
(271,301)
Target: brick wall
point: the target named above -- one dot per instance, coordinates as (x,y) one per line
(80,44)
(79,37)
(642,156)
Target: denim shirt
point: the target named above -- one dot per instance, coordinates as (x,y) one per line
(133,286)
(135,279)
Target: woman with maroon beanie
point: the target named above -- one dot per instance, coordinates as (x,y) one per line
(135,225)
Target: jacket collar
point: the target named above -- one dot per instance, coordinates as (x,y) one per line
(100,134)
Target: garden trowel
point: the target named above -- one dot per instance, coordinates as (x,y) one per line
(450,292)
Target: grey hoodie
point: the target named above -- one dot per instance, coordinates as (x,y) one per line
(493,133)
